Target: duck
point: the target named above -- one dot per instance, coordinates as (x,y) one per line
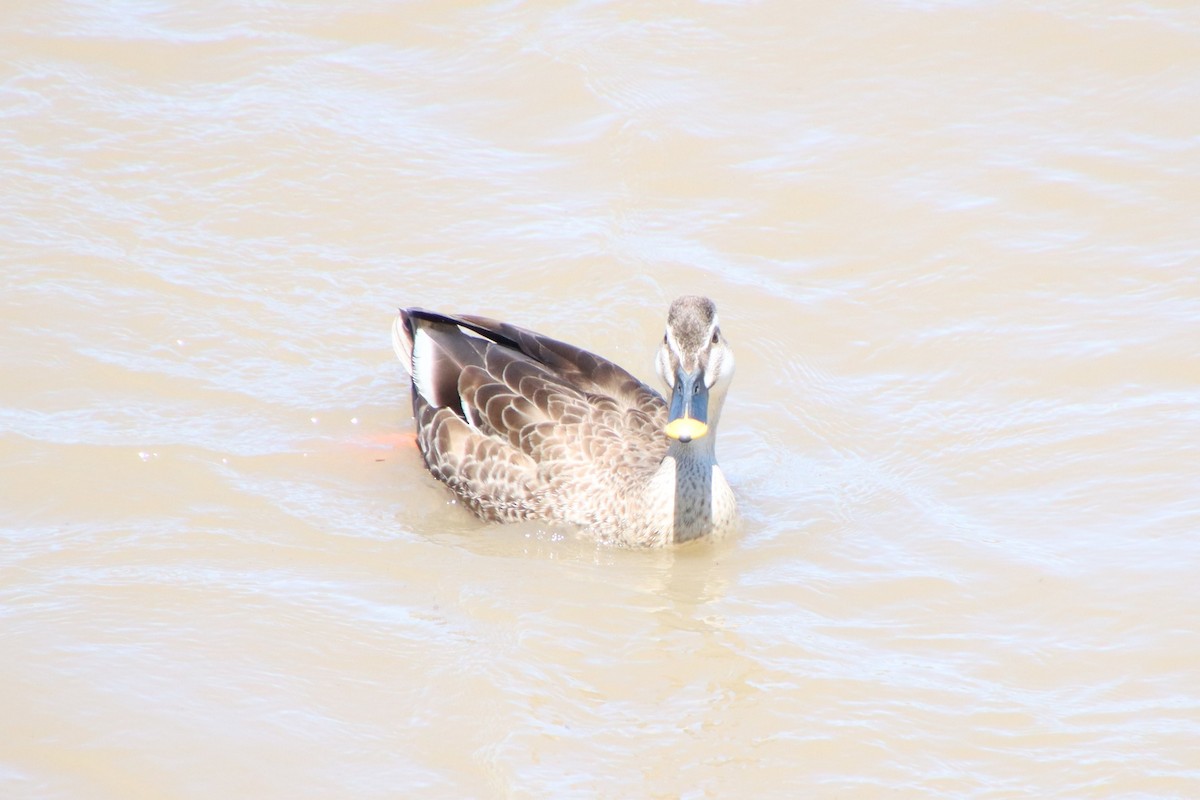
(520,426)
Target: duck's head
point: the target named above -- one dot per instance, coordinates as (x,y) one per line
(696,364)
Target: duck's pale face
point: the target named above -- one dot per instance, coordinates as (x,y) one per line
(696,364)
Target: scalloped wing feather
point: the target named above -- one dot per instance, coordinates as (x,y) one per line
(520,425)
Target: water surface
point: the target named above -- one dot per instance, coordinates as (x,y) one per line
(953,244)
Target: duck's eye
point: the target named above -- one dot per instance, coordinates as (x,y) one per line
(716,337)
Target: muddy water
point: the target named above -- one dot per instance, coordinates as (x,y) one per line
(954,246)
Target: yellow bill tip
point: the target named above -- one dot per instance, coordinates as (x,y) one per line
(685,429)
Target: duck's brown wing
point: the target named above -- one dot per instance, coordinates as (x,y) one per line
(522,425)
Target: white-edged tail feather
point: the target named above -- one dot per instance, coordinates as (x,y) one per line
(402,343)
(424,355)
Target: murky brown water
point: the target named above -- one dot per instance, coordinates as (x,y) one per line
(954,244)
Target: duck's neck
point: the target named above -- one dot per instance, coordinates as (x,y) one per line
(690,485)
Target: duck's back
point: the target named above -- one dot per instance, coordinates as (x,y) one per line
(522,426)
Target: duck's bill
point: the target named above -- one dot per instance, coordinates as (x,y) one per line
(686,429)
(688,414)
